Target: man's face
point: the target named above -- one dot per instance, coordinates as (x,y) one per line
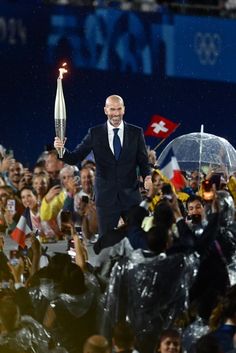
(15,172)
(86,179)
(170,345)
(195,208)
(40,184)
(114,110)
(53,166)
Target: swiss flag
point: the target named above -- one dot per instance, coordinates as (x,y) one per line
(160,127)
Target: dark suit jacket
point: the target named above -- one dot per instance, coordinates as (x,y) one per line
(115,180)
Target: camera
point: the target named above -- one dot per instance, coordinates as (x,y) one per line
(194,218)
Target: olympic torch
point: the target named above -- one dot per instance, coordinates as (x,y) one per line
(60,109)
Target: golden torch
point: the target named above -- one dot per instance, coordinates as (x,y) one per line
(60,109)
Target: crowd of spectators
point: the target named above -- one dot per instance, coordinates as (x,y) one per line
(164,280)
(193,7)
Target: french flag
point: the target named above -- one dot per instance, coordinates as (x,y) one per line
(170,168)
(23,228)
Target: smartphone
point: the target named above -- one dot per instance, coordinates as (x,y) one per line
(9,153)
(78,229)
(24,252)
(11,206)
(71,249)
(85,199)
(76,176)
(14,257)
(55,182)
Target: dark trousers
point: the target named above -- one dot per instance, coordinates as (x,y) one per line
(108,217)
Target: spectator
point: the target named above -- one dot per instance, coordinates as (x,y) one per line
(10,209)
(212,278)
(15,174)
(54,200)
(21,333)
(48,230)
(223,320)
(138,289)
(89,163)
(39,168)
(123,338)
(169,341)
(72,315)
(53,165)
(40,184)
(208,344)
(96,344)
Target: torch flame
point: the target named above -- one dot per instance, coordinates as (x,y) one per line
(62,70)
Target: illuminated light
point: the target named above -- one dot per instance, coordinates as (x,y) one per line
(62,70)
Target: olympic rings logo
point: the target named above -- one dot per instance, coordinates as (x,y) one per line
(207,46)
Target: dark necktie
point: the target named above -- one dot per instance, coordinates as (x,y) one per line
(116,144)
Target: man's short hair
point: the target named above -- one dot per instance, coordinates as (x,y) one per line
(96,344)
(123,335)
(193,198)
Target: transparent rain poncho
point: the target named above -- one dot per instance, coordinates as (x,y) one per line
(192,333)
(232,270)
(30,337)
(150,292)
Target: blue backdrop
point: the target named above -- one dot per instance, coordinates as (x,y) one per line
(180,67)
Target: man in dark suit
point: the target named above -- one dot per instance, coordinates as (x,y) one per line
(120,154)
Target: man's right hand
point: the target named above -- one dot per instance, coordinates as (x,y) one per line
(58,143)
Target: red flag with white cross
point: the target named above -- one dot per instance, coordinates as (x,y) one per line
(160,127)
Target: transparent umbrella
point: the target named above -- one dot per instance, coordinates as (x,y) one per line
(198,150)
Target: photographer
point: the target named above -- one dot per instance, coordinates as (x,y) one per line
(87,210)
(82,206)
(10,209)
(212,278)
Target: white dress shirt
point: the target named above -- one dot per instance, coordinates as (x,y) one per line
(111,134)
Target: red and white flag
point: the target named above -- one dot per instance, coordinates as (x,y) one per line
(170,168)
(23,228)
(160,127)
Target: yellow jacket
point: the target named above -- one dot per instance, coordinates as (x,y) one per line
(232,187)
(50,210)
(156,198)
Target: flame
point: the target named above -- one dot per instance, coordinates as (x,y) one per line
(62,70)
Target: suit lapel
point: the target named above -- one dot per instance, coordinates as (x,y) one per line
(125,140)
(105,140)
